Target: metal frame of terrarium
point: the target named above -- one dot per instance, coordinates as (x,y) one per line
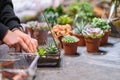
(50,60)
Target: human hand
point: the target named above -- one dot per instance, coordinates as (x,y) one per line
(12,40)
(30,42)
(21,76)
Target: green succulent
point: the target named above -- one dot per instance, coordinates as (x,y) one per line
(65,19)
(41,51)
(31,24)
(79,26)
(100,23)
(86,12)
(52,14)
(73,8)
(70,39)
(51,48)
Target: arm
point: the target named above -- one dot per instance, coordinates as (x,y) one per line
(7,15)
(3,31)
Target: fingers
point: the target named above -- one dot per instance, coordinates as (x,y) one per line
(23,45)
(35,44)
(31,43)
(21,76)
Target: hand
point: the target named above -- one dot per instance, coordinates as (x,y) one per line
(12,40)
(21,76)
(30,42)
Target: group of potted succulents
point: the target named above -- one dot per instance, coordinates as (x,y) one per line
(65,29)
(85,27)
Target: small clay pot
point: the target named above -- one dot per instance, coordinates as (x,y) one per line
(92,45)
(104,39)
(7,64)
(81,39)
(41,36)
(29,31)
(70,48)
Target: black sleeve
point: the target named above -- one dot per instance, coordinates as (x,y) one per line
(7,15)
(3,31)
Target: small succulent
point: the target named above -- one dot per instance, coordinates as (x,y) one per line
(65,19)
(51,48)
(100,23)
(35,25)
(41,51)
(86,12)
(79,26)
(92,33)
(73,8)
(41,26)
(31,24)
(70,39)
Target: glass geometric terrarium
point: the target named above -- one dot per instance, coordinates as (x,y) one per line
(48,47)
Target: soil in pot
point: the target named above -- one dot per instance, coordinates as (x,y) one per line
(92,44)
(70,48)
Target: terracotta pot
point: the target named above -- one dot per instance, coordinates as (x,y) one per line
(60,39)
(70,48)
(7,64)
(81,39)
(41,36)
(92,44)
(104,39)
(29,31)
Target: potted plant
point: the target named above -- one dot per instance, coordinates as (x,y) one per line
(92,38)
(64,19)
(49,55)
(73,8)
(102,24)
(77,31)
(70,44)
(52,14)
(29,27)
(86,12)
(59,31)
(41,32)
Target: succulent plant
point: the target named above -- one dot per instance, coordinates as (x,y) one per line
(86,12)
(51,48)
(73,8)
(35,25)
(41,51)
(70,39)
(79,26)
(31,24)
(100,23)
(92,33)
(65,19)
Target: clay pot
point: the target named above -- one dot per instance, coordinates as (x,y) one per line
(7,64)
(81,39)
(104,39)
(40,36)
(29,31)
(70,48)
(92,44)
(60,39)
